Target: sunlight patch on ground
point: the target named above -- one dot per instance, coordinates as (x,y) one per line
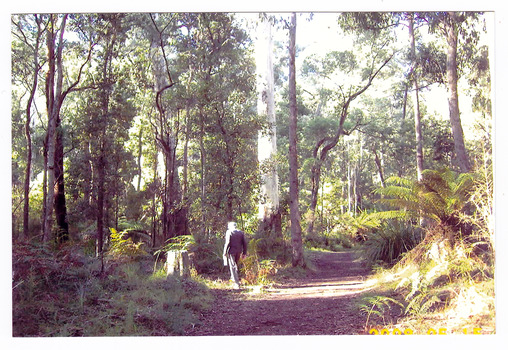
(322,289)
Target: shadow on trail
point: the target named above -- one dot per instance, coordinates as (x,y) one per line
(322,303)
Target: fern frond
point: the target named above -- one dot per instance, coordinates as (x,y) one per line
(393,214)
(397,192)
(399,181)
(464,185)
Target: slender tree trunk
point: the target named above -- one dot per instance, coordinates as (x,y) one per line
(100,208)
(349,184)
(154,201)
(416,99)
(88,181)
(453,97)
(188,107)
(26,206)
(379,166)
(404,105)
(165,201)
(140,154)
(418,133)
(28,135)
(202,152)
(59,205)
(355,189)
(315,182)
(54,99)
(185,154)
(296,230)
(44,186)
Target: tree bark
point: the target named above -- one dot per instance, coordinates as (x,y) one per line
(28,135)
(60,208)
(154,201)
(379,166)
(453,97)
(418,133)
(44,185)
(416,99)
(100,207)
(268,212)
(53,104)
(202,152)
(167,136)
(54,99)
(140,154)
(296,230)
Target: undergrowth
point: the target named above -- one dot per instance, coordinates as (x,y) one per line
(441,283)
(62,293)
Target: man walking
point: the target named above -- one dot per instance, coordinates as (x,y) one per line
(234,246)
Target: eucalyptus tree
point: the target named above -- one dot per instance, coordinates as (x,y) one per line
(377,58)
(413,73)
(456,27)
(296,230)
(167,123)
(56,93)
(269,207)
(28,32)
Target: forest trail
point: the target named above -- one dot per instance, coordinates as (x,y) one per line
(322,303)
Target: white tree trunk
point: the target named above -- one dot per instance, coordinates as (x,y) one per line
(267,143)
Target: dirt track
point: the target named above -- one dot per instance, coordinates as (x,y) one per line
(319,304)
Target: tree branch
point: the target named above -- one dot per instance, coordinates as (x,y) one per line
(71,88)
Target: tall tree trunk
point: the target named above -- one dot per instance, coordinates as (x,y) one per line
(140,154)
(88,183)
(166,133)
(416,99)
(202,152)
(349,184)
(268,212)
(100,207)
(296,230)
(165,201)
(188,129)
(53,104)
(54,99)
(154,201)
(355,189)
(44,185)
(453,97)
(418,133)
(185,160)
(28,135)
(26,206)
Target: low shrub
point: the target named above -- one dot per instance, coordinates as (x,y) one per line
(122,246)
(255,270)
(387,244)
(207,255)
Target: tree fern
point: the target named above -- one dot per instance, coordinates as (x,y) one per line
(440,196)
